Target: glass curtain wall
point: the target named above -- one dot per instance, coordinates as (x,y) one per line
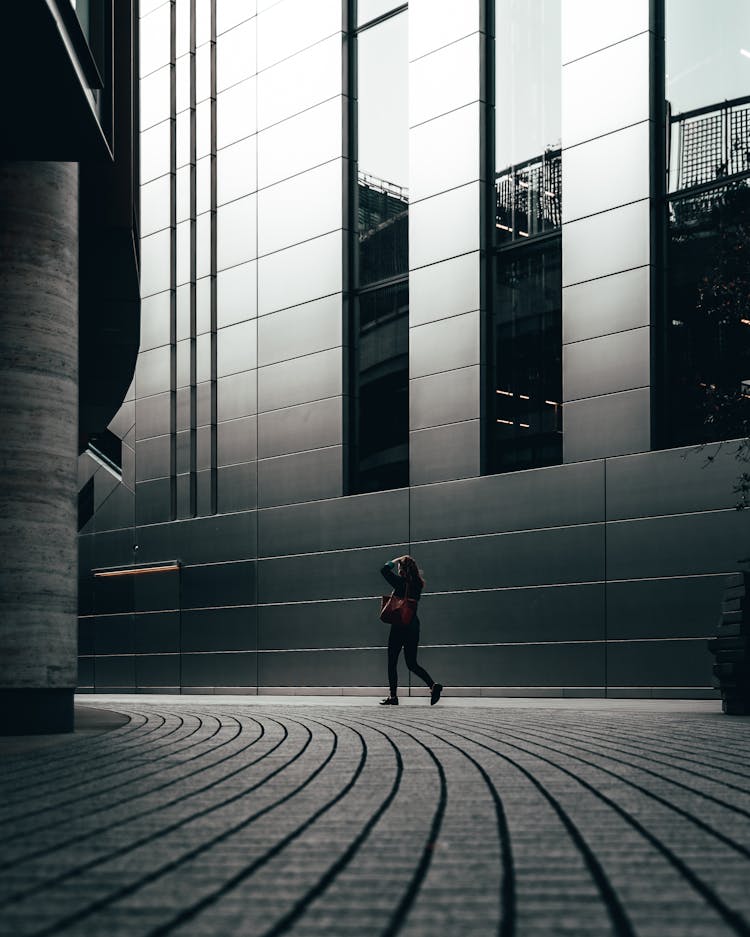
(379,430)
(707,325)
(526,316)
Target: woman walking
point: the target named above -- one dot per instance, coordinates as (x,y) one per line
(406,581)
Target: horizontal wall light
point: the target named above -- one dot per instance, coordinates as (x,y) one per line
(168,567)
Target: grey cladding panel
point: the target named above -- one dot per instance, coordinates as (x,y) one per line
(609,304)
(608,243)
(556,613)
(659,663)
(218,584)
(540,665)
(616,424)
(113,634)
(340,524)
(152,416)
(217,670)
(219,629)
(557,556)
(549,497)
(607,365)
(152,670)
(305,476)
(114,671)
(302,330)
(157,633)
(201,540)
(690,544)
(236,487)
(664,608)
(308,426)
(311,377)
(157,591)
(674,481)
(236,441)
(444,345)
(450,397)
(442,453)
(322,668)
(352,623)
(349,574)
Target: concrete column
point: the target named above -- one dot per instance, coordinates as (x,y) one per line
(38,434)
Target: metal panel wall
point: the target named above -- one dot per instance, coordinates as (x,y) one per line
(608,126)
(599,576)
(446,103)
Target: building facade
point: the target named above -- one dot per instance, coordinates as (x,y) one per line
(463,280)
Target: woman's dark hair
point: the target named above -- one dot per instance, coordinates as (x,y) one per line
(408,569)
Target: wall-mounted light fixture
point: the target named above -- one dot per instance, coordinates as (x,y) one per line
(169,566)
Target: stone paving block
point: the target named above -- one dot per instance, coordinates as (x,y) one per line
(216,816)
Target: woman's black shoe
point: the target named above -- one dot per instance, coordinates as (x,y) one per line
(389,701)
(437,689)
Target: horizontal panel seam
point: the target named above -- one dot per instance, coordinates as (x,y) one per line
(606,211)
(612,45)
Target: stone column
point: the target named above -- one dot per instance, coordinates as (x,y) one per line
(38,445)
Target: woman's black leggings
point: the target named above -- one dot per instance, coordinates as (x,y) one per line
(406,637)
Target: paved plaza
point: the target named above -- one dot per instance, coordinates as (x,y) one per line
(233,816)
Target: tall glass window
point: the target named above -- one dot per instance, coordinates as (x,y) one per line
(706,393)
(379,430)
(526,325)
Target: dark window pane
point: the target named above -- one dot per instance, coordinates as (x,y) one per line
(383,151)
(527,340)
(381,393)
(706,349)
(525,411)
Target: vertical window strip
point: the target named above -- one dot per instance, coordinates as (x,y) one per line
(173,265)
(193,272)
(212,507)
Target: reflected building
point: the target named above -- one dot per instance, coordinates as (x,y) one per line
(428,278)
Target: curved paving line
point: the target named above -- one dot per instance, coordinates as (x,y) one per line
(688,737)
(84,797)
(731,917)
(122,753)
(610,899)
(507,921)
(188,914)
(340,864)
(407,899)
(144,840)
(648,754)
(81,837)
(653,759)
(655,774)
(30,762)
(32,769)
(686,815)
(126,890)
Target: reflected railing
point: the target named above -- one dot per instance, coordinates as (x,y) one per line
(528,197)
(709,144)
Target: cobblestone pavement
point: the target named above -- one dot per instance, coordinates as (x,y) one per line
(204,819)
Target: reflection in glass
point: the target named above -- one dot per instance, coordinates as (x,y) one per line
(706,390)
(379,424)
(381,392)
(527,347)
(526,350)
(383,151)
